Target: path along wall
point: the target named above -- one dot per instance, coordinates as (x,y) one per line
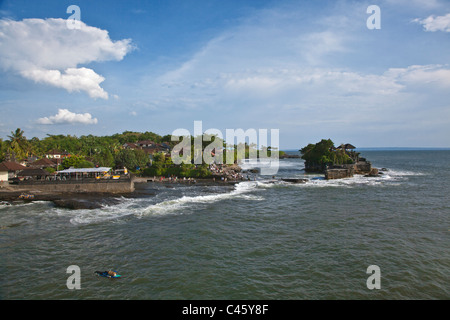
(125,186)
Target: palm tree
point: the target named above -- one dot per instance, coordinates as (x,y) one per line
(18,143)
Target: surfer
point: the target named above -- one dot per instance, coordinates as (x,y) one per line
(109,273)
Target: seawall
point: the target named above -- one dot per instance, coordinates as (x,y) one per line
(73,186)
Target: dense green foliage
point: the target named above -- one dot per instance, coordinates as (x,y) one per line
(163,166)
(85,151)
(108,151)
(324,153)
(76,162)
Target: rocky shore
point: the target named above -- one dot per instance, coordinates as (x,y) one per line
(95,200)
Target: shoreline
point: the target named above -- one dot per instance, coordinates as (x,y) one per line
(92,200)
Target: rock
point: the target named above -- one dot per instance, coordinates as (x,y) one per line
(373,173)
(295,180)
(289,156)
(76,204)
(338,173)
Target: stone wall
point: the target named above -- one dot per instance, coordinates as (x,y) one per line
(348,170)
(124,186)
(338,173)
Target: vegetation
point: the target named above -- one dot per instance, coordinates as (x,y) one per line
(85,151)
(108,151)
(163,166)
(76,162)
(318,156)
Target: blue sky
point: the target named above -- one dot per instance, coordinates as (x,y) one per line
(311,69)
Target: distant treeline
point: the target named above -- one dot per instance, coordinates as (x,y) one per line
(88,150)
(108,151)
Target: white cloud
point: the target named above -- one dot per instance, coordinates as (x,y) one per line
(46,51)
(64,116)
(433,23)
(436,75)
(73,79)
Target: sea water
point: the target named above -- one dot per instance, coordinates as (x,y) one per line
(258,239)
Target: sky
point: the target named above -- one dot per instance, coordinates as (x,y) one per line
(310,69)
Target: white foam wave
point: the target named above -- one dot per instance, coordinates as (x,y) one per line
(139,207)
(401,173)
(174,205)
(144,206)
(125,207)
(386,178)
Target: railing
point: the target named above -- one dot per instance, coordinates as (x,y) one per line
(72,181)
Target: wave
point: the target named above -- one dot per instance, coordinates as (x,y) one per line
(174,205)
(244,190)
(140,207)
(391,177)
(266,163)
(401,173)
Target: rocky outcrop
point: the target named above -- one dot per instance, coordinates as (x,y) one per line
(349,170)
(76,204)
(338,173)
(373,173)
(294,180)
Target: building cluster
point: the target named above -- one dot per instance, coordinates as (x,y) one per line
(34,168)
(148,146)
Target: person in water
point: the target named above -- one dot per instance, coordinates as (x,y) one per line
(112,273)
(108,274)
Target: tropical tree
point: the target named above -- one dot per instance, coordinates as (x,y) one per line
(18,144)
(2,149)
(318,156)
(104,158)
(76,162)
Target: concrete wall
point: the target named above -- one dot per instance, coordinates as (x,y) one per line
(94,187)
(3,176)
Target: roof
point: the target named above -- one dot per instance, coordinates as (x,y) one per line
(31,172)
(43,162)
(346,146)
(130,144)
(56,151)
(145,142)
(86,170)
(150,150)
(12,166)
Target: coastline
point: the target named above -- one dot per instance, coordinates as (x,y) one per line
(92,200)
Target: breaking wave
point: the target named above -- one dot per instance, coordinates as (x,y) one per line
(141,207)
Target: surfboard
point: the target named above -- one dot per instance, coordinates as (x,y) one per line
(106,275)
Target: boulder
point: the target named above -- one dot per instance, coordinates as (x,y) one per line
(77,204)
(373,173)
(295,180)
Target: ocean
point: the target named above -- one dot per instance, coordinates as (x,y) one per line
(258,239)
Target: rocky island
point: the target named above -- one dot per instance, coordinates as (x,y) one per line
(336,162)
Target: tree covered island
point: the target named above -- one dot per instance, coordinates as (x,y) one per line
(335,162)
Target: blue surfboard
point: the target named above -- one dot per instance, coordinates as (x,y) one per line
(106,275)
